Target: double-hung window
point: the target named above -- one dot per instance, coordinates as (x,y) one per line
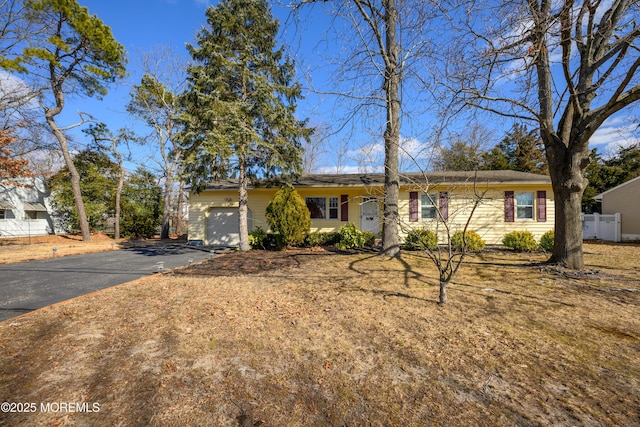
(333,207)
(524,205)
(428,206)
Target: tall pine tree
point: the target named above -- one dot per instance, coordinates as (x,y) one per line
(69,52)
(240,102)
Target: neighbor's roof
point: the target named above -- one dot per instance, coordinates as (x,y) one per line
(377,179)
(34,206)
(599,196)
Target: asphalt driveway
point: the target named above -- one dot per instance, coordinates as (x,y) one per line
(27,286)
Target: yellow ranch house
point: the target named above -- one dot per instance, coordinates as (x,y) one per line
(509,201)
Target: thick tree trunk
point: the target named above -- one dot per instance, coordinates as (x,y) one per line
(75,177)
(390,239)
(243,207)
(567,249)
(566,167)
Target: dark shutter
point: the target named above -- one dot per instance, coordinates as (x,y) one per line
(344,207)
(443,205)
(413,206)
(508,206)
(542,206)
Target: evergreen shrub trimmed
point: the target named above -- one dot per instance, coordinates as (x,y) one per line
(547,240)
(475,243)
(350,237)
(421,239)
(522,241)
(288,216)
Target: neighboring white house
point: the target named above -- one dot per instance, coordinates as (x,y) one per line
(25,208)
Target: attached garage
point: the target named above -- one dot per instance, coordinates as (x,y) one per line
(222,227)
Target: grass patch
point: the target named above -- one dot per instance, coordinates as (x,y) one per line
(322,338)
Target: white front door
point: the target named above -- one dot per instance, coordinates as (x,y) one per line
(370,215)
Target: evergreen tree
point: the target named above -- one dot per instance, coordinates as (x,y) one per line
(604,174)
(520,150)
(98,181)
(460,156)
(627,159)
(141,205)
(240,102)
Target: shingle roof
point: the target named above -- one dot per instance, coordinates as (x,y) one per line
(377,179)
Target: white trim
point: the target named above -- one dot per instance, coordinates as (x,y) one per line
(599,196)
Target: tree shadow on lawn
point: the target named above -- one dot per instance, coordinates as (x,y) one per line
(384,293)
(408,272)
(488,292)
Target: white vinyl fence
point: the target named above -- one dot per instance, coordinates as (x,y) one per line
(601,227)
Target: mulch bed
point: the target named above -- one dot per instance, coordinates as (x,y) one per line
(238,263)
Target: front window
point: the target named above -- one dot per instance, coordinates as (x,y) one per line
(428,207)
(524,205)
(333,208)
(3,214)
(317,207)
(30,215)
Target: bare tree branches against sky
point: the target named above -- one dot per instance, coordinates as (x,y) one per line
(317,40)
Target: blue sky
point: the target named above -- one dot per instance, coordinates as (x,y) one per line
(143,25)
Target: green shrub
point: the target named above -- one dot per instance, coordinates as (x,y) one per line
(322,239)
(349,237)
(274,241)
(288,216)
(421,239)
(369,238)
(520,241)
(474,241)
(546,241)
(257,238)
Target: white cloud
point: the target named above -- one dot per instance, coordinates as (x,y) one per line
(344,169)
(14,91)
(615,133)
(369,158)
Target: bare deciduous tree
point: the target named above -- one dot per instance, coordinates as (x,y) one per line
(155,102)
(567,66)
(381,51)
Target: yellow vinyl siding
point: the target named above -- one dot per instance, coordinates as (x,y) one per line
(201,204)
(355,194)
(488,219)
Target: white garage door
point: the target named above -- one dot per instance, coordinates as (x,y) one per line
(222,227)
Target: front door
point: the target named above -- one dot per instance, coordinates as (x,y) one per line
(370,215)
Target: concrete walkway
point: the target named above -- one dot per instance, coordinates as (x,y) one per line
(31,285)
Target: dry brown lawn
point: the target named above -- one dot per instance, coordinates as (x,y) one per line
(39,247)
(318,338)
